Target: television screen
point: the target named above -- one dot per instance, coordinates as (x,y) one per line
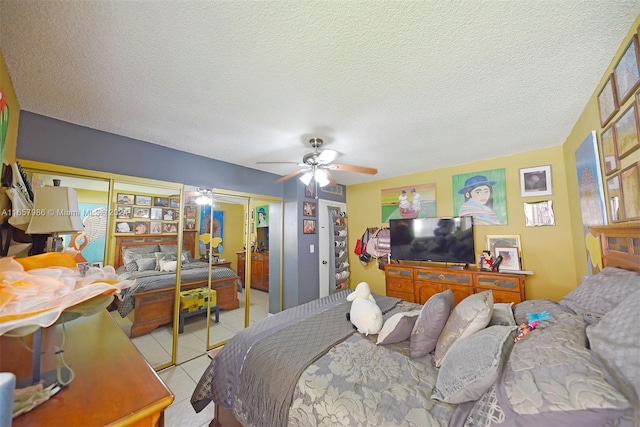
(262,239)
(433,239)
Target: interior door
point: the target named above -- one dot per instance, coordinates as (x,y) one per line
(326,251)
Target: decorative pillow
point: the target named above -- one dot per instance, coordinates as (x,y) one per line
(474,364)
(146,264)
(502,315)
(129,255)
(433,317)
(168,265)
(600,293)
(173,249)
(398,327)
(161,258)
(470,315)
(616,341)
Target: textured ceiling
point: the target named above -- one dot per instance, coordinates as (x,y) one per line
(402,86)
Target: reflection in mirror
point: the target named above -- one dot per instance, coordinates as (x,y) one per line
(259,260)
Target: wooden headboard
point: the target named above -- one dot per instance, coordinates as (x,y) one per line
(619,244)
(122,242)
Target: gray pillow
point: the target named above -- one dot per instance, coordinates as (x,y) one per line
(398,327)
(502,314)
(129,255)
(616,341)
(173,249)
(470,315)
(600,293)
(474,364)
(432,318)
(146,264)
(161,258)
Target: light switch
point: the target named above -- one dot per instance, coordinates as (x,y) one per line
(312,249)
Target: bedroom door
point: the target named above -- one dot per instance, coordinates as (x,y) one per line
(326,249)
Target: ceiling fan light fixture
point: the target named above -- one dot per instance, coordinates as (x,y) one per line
(321,178)
(306,178)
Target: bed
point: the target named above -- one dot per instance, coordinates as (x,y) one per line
(442,366)
(151,298)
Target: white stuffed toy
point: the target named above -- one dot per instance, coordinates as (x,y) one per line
(365,314)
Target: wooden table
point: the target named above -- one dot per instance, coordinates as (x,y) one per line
(113,384)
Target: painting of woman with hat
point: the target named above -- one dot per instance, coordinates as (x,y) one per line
(478,193)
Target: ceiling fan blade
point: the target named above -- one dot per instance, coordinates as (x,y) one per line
(277,163)
(332,180)
(327,156)
(352,168)
(290,175)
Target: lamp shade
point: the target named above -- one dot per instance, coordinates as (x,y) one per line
(55,211)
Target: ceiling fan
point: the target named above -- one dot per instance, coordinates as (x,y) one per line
(318,164)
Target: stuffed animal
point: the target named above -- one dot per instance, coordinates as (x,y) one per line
(365,314)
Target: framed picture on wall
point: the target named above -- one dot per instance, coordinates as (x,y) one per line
(141,213)
(627,71)
(609,150)
(156,213)
(125,199)
(124,227)
(607,101)
(614,199)
(308,209)
(309,226)
(535,181)
(161,201)
(503,240)
(155,227)
(143,200)
(124,212)
(310,190)
(627,132)
(510,257)
(630,184)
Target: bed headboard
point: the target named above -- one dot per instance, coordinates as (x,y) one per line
(122,242)
(619,244)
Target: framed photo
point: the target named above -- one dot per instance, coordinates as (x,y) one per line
(630,184)
(332,189)
(125,199)
(607,101)
(169,215)
(627,132)
(510,257)
(308,209)
(505,240)
(614,198)
(609,149)
(190,199)
(141,213)
(309,226)
(155,227)
(124,227)
(97,264)
(156,213)
(627,71)
(141,227)
(161,201)
(143,200)
(310,190)
(190,224)
(539,214)
(83,267)
(174,202)
(190,211)
(169,227)
(123,212)
(535,181)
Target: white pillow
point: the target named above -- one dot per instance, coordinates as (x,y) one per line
(168,265)
(398,327)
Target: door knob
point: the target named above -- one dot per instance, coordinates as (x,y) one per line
(324,262)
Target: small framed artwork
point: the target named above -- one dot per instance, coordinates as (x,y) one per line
(308,209)
(141,213)
(169,227)
(155,227)
(190,199)
(309,226)
(174,202)
(190,224)
(97,264)
(332,189)
(83,267)
(310,190)
(161,201)
(503,240)
(630,184)
(168,214)
(156,213)
(125,199)
(535,181)
(609,150)
(607,101)
(614,197)
(142,227)
(190,211)
(510,257)
(539,214)
(124,212)
(627,71)
(627,132)
(143,200)
(124,227)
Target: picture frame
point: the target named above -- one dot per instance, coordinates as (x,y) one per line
(97,264)
(627,71)
(609,150)
(190,211)
(141,213)
(123,227)
(310,190)
(510,258)
(627,139)
(169,227)
(614,199)
(156,213)
(161,201)
(190,224)
(125,199)
(332,189)
(169,215)
(539,214)
(83,267)
(143,200)
(174,202)
(141,228)
(308,209)
(536,181)
(309,226)
(503,240)
(123,212)
(630,185)
(607,101)
(155,227)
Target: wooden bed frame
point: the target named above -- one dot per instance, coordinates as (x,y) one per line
(155,308)
(619,245)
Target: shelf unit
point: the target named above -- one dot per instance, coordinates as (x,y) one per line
(338,266)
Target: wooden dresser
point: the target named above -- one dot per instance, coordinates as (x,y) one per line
(113,383)
(418,283)
(259,269)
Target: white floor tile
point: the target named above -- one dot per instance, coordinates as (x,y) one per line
(182,414)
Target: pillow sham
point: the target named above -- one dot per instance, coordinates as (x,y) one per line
(173,249)
(474,364)
(146,264)
(502,314)
(398,327)
(129,255)
(470,315)
(600,293)
(168,265)
(433,316)
(162,258)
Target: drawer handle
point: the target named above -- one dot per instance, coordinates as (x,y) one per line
(441,277)
(496,282)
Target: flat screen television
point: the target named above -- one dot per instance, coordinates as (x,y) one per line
(262,239)
(447,240)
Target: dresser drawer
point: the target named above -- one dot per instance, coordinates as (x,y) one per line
(505,296)
(402,295)
(394,271)
(443,276)
(498,281)
(396,284)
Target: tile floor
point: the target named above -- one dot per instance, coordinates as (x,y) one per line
(192,358)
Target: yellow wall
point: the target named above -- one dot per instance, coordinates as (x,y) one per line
(233,240)
(552,264)
(589,120)
(14,113)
